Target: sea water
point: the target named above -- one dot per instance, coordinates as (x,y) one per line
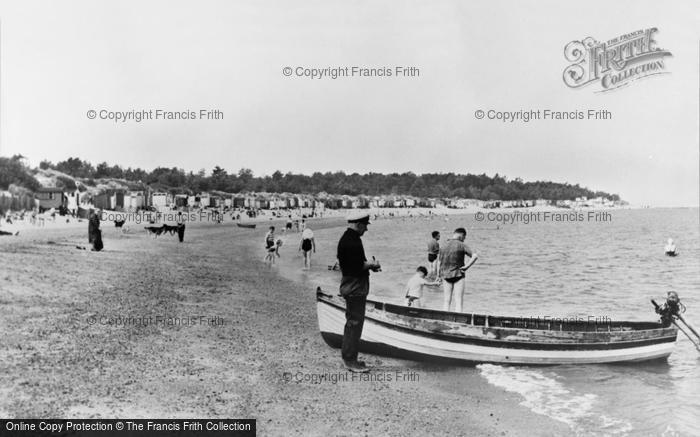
(606,269)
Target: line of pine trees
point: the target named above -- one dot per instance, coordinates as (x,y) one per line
(176,180)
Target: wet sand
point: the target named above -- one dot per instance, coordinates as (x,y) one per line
(250,349)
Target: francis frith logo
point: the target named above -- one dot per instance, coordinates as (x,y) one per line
(614,63)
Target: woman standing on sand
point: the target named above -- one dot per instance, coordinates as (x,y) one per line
(270,246)
(94,232)
(307,244)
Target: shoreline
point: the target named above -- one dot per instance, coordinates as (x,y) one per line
(490,407)
(57,364)
(205,216)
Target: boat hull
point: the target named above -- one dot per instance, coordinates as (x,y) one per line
(385,333)
(244,225)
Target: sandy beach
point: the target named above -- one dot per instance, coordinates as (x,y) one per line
(156,328)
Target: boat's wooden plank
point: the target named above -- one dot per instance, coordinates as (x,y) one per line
(461,326)
(513,334)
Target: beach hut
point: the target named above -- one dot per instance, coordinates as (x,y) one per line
(119,199)
(134,200)
(262,203)
(49,197)
(318,205)
(181,200)
(239,202)
(215,201)
(159,200)
(105,200)
(204,200)
(72,200)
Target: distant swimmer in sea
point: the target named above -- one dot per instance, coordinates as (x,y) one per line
(433,252)
(670,249)
(414,287)
(453,269)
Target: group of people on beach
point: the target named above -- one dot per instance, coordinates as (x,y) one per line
(447,267)
(448,263)
(307,245)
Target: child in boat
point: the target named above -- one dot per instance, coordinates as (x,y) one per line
(414,287)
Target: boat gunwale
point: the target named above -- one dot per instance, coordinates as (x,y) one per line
(449,316)
(518,344)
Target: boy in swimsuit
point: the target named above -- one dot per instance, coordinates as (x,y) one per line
(414,287)
(433,252)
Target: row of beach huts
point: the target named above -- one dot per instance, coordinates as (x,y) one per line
(46,198)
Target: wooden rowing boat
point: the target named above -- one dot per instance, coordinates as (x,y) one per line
(246,225)
(418,333)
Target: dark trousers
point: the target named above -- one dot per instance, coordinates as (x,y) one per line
(354,321)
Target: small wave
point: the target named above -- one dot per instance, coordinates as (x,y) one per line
(545,395)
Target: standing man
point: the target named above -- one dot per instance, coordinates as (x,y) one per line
(433,252)
(354,287)
(453,268)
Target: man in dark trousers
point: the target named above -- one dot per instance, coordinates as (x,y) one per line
(354,287)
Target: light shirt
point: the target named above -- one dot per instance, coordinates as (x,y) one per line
(414,287)
(452,255)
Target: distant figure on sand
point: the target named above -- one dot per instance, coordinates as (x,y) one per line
(306,245)
(288,226)
(433,252)
(453,268)
(414,287)
(354,287)
(670,248)
(94,232)
(270,246)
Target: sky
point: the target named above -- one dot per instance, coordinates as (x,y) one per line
(60,60)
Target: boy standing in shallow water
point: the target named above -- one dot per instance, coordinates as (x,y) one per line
(433,252)
(414,287)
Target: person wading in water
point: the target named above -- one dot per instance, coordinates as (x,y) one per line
(453,268)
